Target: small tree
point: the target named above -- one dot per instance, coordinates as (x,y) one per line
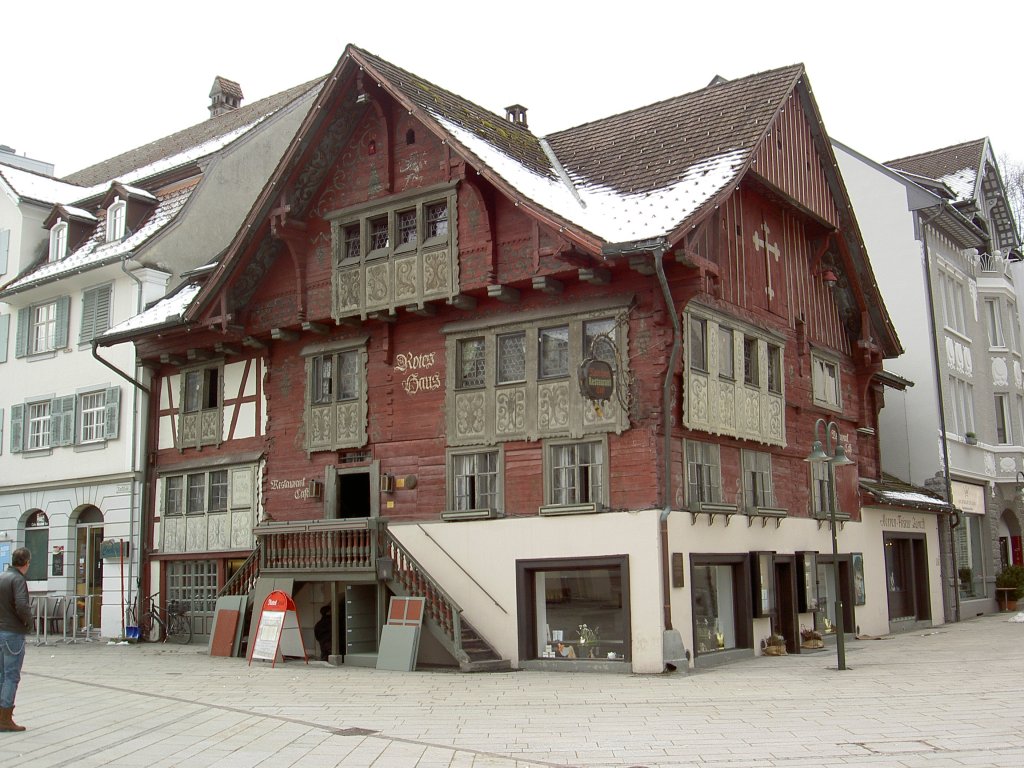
(1012,577)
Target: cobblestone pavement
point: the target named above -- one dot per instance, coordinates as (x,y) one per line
(948,696)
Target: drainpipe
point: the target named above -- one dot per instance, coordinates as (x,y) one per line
(954,519)
(657,248)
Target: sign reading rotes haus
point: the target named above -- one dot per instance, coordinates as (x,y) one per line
(420,376)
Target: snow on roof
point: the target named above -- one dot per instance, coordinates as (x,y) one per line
(79,212)
(962,183)
(170,308)
(35,186)
(612,216)
(138,192)
(911,497)
(97,251)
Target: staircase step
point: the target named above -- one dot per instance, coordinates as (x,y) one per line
(487,665)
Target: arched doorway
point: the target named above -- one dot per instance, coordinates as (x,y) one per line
(37,541)
(1009,540)
(89,566)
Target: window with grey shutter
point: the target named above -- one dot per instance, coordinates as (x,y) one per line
(17,427)
(62,420)
(5,244)
(95,312)
(5,328)
(21,341)
(63,313)
(113,413)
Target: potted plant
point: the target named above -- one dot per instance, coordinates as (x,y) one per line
(971,438)
(811,638)
(1011,581)
(774,645)
(966,575)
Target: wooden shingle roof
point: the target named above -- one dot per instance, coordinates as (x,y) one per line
(650,147)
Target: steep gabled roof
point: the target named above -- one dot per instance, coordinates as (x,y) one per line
(230,125)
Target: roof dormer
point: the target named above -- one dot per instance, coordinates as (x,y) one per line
(69,227)
(126,208)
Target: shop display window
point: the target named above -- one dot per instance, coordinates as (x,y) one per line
(714,608)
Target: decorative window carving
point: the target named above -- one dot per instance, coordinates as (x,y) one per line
(517,382)
(336,398)
(399,253)
(208,508)
(716,399)
(202,405)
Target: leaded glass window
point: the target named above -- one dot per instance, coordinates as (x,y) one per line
(195,494)
(335,377)
(471,363)
(554,351)
(173,493)
(511,357)
(407,227)
(218,491)
(597,340)
(353,242)
(378,233)
(437,220)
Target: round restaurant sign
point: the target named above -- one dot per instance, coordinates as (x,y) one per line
(597,380)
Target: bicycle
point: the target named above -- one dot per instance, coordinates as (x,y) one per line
(173,624)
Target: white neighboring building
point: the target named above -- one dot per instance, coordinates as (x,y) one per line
(77,256)
(942,241)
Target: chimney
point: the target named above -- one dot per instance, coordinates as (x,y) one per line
(225,95)
(516,114)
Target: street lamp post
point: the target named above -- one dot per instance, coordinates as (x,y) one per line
(833,456)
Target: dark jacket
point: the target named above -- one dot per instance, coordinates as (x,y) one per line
(15,608)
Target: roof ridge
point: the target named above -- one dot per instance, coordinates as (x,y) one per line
(723,83)
(228,121)
(934,152)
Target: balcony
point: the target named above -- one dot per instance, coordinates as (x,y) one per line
(318,546)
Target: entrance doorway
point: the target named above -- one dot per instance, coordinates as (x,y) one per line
(786,622)
(352,493)
(89,567)
(906,577)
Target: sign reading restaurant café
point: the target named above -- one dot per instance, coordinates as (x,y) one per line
(597,380)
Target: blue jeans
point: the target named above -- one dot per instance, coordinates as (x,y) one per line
(12,654)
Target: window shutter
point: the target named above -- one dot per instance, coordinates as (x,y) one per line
(102,321)
(63,313)
(112,413)
(21,343)
(95,313)
(62,420)
(88,316)
(17,427)
(5,327)
(5,244)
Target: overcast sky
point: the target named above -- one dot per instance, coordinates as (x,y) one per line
(85,81)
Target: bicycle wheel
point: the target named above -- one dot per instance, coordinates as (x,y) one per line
(146,628)
(179,629)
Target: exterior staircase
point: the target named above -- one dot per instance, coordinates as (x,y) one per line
(325,546)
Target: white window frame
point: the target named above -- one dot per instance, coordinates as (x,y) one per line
(116,214)
(58,240)
(582,485)
(994,323)
(703,473)
(1004,428)
(92,416)
(38,425)
(42,332)
(962,400)
(468,472)
(825,382)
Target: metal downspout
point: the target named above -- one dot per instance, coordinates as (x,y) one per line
(954,520)
(666,416)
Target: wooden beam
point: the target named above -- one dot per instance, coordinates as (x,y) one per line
(461,301)
(283,334)
(226,349)
(253,343)
(315,327)
(171,359)
(503,293)
(423,310)
(385,316)
(641,263)
(595,275)
(547,285)
(198,354)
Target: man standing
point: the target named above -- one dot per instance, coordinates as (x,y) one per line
(15,623)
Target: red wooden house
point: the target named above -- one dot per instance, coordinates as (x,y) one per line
(379,388)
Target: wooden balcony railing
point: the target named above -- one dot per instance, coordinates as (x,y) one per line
(243,581)
(317,545)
